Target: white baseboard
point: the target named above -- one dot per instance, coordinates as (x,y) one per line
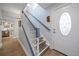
(23,47)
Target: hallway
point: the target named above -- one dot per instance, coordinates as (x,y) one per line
(11,47)
(42,28)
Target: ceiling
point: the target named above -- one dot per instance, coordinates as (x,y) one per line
(12,7)
(53,5)
(18,7)
(47,5)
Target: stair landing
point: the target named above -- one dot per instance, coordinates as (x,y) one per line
(51,52)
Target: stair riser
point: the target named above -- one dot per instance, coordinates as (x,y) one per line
(42,46)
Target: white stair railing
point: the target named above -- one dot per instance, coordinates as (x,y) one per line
(36,31)
(32,32)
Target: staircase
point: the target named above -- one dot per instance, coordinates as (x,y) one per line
(42,45)
(37,42)
(30,32)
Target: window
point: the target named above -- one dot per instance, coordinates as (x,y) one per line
(65,23)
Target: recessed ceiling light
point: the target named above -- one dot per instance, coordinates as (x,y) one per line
(32,5)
